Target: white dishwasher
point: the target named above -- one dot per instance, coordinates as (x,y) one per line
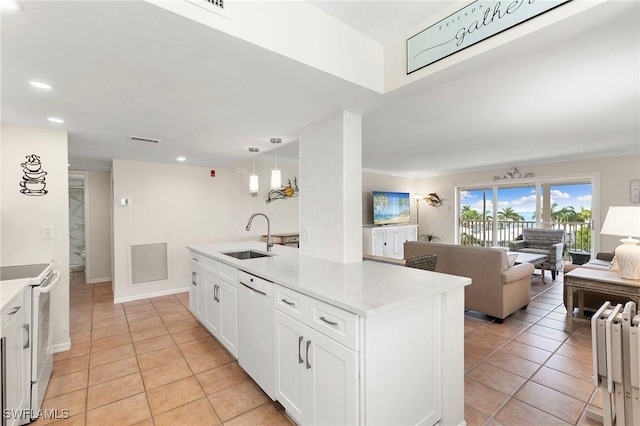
(255,330)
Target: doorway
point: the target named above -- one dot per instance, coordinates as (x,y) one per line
(78,241)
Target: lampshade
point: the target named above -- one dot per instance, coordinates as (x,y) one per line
(276,179)
(625,221)
(276,176)
(254,184)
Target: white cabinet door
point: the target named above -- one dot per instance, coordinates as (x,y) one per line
(18,383)
(332,383)
(228,306)
(193,292)
(390,242)
(378,242)
(212,307)
(290,372)
(197,293)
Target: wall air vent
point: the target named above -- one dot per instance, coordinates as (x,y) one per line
(146,140)
(215,6)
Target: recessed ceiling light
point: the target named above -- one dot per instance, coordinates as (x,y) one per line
(56,120)
(41,85)
(181,159)
(9,5)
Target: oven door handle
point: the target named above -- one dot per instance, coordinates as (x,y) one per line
(52,284)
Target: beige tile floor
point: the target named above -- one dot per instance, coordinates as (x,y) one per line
(150,362)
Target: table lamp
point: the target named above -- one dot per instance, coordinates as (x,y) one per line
(625,221)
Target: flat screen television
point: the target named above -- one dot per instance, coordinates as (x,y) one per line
(390,207)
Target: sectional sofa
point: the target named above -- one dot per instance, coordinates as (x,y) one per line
(497,289)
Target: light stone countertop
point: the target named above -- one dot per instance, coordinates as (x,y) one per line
(10,288)
(364,288)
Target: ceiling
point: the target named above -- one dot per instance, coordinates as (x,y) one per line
(123,69)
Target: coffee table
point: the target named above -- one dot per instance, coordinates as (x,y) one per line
(537,260)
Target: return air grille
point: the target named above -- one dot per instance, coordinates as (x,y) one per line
(216,3)
(146,140)
(215,6)
(149,263)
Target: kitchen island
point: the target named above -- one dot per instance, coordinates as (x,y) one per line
(386,343)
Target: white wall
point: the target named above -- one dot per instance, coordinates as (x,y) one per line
(377,182)
(99,257)
(182,205)
(23,217)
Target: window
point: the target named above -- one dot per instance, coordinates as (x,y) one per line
(494,215)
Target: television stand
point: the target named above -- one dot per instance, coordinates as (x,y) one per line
(387,240)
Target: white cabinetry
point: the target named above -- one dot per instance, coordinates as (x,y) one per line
(16,354)
(388,241)
(197,287)
(214,300)
(316,377)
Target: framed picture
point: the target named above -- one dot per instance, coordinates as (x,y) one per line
(635,191)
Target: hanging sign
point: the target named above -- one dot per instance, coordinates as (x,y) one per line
(473,23)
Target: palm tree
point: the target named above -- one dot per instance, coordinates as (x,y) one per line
(585,214)
(508,213)
(468,213)
(565,214)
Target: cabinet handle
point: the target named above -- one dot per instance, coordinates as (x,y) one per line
(14,310)
(328,322)
(26,345)
(300,360)
(193,278)
(288,303)
(195,259)
(308,344)
(216,293)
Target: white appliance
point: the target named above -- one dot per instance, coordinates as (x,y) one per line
(616,363)
(255,330)
(43,279)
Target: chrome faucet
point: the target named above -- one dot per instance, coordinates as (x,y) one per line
(269,242)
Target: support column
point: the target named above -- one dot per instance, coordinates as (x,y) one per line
(331,188)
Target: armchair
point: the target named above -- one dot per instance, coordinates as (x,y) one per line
(549,242)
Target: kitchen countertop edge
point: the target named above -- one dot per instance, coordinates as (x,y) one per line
(362,288)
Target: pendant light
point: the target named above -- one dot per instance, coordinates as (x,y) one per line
(276,176)
(254,184)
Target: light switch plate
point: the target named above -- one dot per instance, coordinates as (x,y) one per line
(47,232)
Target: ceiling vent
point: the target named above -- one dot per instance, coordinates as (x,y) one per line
(146,140)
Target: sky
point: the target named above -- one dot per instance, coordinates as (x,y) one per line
(523,199)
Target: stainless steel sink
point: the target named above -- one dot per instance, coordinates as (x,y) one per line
(246,254)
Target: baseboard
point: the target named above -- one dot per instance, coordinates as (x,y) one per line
(99,280)
(148,295)
(61,347)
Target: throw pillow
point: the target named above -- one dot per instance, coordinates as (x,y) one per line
(512,259)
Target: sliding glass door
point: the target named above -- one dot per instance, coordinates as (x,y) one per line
(495,215)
